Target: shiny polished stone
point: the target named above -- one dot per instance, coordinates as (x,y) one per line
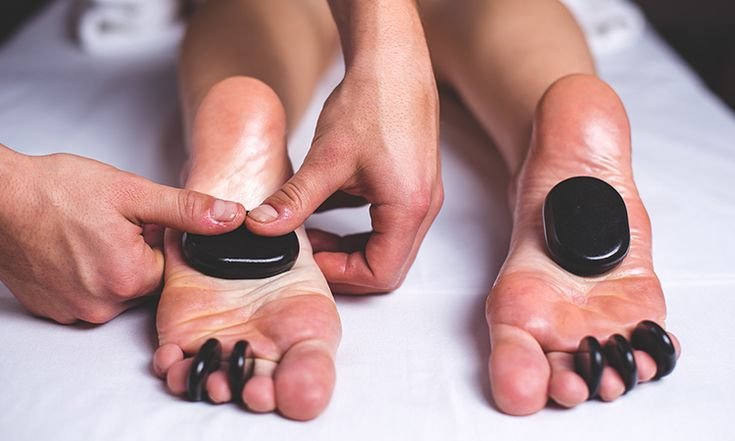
(648,336)
(619,355)
(205,362)
(589,362)
(586,226)
(239,374)
(241,254)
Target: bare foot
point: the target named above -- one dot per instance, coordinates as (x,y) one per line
(290,320)
(538,312)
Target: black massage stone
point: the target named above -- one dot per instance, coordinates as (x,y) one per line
(619,355)
(648,336)
(241,254)
(237,374)
(205,362)
(586,226)
(589,362)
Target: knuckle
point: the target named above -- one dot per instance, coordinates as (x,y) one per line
(439,197)
(97,314)
(127,288)
(293,195)
(420,204)
(123,187)
(63,319)
(389,282)
(58,315)
(123,285)
(92,311)
(189,205)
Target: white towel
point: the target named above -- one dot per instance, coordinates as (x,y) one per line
(610,25)
(110,27)
(113,27)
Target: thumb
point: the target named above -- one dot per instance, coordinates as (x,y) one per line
(184,210)
(289,207)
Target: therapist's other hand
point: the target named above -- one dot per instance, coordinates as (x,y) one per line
(376,142)
(72,243)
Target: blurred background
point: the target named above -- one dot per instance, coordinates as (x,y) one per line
(702,31)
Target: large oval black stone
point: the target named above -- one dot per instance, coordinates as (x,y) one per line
(586,225)
(241,254)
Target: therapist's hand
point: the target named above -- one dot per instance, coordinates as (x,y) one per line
(376,142)
(72,243)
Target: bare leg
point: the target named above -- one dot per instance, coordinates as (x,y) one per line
(523,69)
(237,130)
(286,44)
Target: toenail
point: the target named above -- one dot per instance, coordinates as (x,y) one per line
(241,254)
(648,336)
(589,362)
(586,225)
(205,362)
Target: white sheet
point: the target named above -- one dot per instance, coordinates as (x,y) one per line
(398,378)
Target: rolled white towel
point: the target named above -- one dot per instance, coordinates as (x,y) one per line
(112,27)
(610,25)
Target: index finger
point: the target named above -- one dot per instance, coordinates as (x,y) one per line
(381,266)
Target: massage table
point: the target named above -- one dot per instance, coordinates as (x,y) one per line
(412,365)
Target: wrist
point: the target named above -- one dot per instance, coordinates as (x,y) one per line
(380,31)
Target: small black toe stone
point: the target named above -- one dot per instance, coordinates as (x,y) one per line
(648,336)
(205,362)
(619,355)
(238,376)
(589,362)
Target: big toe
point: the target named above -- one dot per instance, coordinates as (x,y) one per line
(304,380)
(519,371)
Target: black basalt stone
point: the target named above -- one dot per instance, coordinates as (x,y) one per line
(205,362)
(589,362)
(619,355)
(238,374)
(586,226)
(648,336)
(241,254)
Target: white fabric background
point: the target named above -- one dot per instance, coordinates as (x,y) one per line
(412,365)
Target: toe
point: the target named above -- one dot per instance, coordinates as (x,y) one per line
(611,385)
(646,365)
(259,392)
(177,375)
(165,357)
(566,388)
(217,387)
(677,344)
(519,371)
(305,380)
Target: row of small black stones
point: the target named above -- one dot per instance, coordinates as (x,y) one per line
(648,336)
(589,360)
(207,360)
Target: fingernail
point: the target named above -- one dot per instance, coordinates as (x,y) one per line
(223,211)
(264,214)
